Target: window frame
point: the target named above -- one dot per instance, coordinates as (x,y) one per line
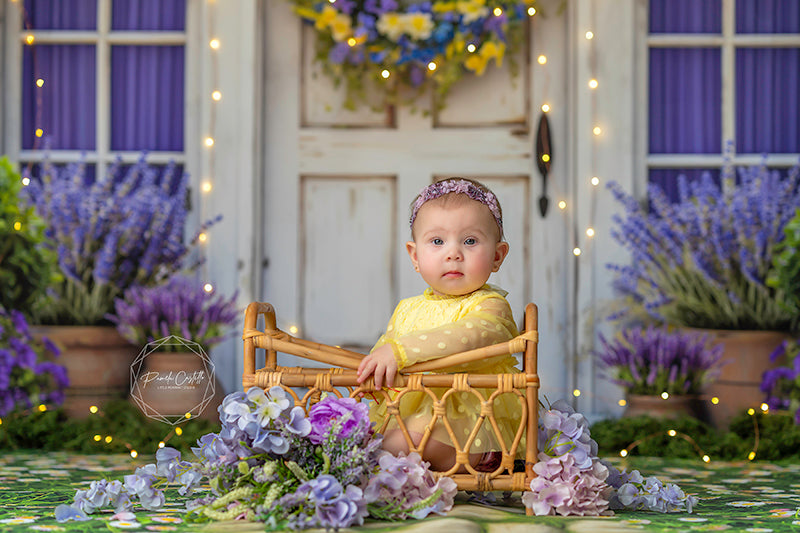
(103,38)
(727,41)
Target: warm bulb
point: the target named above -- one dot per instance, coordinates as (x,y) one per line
(208,287)
(751,411)
(542,60)
(431,66)
(26,181)
(42,408)
(562,205)
(672,432)
(161,444)
(29,39)
(206,186)
(498,12)
(545,108)
(590,232)
(593,83)
(352,41)
(596,130)
(589,35)
(623,453)
(214,43)
(216,96)
(622,403)
(39,132)
(17,225)
(531,11)
(385,74)
(293,330)
(93,409)
(764,407)
(40,82)
(751,455)
(202,237)
(665,395)
(471,47)
(595,181)
(576,251)
(715,400)
(108,439)
(98,438)
(576,392)
(209,142)
(134,454)
(178,431)
(545,157)
(707,459)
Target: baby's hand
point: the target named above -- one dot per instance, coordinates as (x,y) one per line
(380,363)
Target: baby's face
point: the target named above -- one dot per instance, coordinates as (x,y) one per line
(456,247)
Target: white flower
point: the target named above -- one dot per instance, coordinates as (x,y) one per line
(391,25)
(418,25)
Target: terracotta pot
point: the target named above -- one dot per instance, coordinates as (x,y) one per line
(98,361)
(738,386)
(673,407)
(169,385)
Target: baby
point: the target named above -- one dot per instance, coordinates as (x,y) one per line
(457,242)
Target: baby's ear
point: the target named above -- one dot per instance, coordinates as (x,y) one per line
(411,248)
(500,253)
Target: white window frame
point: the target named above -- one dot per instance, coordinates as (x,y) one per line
(727,41)
(103,38)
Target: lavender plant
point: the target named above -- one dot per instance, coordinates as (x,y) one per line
(782,384)
(180,307)
(125,229)
(654,360)
(704,261)
(29,375)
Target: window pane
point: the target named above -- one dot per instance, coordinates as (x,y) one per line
(153,15)
(767,16)
(684,102)
(61,14)
(147,98)
(667,178)
(64,107)
(767,101)
(685,16)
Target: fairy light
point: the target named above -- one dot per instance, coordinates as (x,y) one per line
(187,416)
(497,11)
(93,409)
(751,456)
(26,181)
(765,407)
(545,108)
(385,74)
(545,157)
(40,83)
(589,35)
(42,408)
(29,39)
(590,232)
(179,431)
(706,459)
(576,392)
(209,142)
(17,225)
(672,432)
(715,400)
(208,287)
(108,439)
(596,130)
(216,96)
(531,11)
(39,132)
(622,403)
(214,44)
(98,438)
(203,237)
(751,411)
(161,444)
(206,186)
(665,395)
(595,181)
(351,42)
(432,66)
(134,454)
(623,453)
(562,205)
(293,330)
(593,83)
(576,251)
(541,59)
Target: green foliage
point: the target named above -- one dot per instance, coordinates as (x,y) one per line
(26,267)
(785,273)
(123,421)
(778,437)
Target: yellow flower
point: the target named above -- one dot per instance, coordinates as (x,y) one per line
(341,27)
(476,63)
(419,25)
(456,46)
(444,7)
(391,25)
(325,18)
(491,49)
(472,10)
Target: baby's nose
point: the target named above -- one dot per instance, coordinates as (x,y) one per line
(455,253)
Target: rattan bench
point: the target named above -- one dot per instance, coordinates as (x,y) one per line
(418,377)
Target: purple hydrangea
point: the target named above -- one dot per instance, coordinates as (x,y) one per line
(349,414)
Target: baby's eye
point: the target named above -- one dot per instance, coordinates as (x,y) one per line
(437,241)
(469,241)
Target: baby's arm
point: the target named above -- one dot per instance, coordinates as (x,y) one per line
(381,363)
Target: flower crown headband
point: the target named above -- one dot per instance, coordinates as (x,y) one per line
(440,188)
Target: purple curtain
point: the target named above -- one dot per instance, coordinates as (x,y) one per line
(67,96)
(767,16)
(685,16)
(147,82)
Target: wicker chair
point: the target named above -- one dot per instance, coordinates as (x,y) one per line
(418,377)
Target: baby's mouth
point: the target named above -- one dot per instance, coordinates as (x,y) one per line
(453,274)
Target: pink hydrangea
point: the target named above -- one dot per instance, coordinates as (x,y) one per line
(561,487)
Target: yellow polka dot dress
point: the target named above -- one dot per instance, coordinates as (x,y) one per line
(430,326)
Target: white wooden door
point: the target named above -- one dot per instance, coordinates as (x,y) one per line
(337,187)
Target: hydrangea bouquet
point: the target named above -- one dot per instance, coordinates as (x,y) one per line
(273,463)
(180,307)
(29,376)
(653,360)
(704,261)
(110,233)
(373,43)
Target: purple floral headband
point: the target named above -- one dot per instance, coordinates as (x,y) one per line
(440,188)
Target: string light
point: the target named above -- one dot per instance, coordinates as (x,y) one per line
(26,181)
(531,11)
(214,44)
(623,453)
(706,459)
(595,181)
(593,83)
(672,432)
(751,456)
(29,39)
(216,96)
(665,395)
(203,237)
(293,330)
(765,407)
(562,205)
(98,438)
(622,403)
(576,392)
(161,444)
(40,82)
(751,411)
(498,12)
(134,454)
(545,108)
(93,409)
(545,157)
(206,186)
(17,225)
(589,35)
(596,130)
(576,251)
(542,59)
(590,232)
(39,132)
(431,66)
(42,408)
(385,74)
(208,287)
(715,400)
(471,48)
(178,431)
(209,142)
(108,439)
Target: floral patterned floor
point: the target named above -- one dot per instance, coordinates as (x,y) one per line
(744,496)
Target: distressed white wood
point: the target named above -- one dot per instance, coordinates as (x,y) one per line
(348,257)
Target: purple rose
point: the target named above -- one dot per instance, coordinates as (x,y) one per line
(349,414)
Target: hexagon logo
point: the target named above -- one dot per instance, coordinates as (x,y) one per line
(172,380)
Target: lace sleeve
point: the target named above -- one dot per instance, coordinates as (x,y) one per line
(489,322)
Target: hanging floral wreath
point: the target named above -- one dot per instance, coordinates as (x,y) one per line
(391,44)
